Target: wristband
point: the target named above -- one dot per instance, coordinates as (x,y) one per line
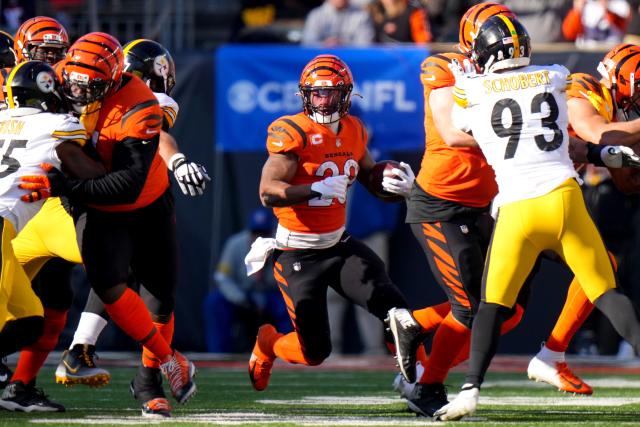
(594,154)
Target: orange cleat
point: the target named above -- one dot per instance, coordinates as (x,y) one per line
(262,357)
(558,375)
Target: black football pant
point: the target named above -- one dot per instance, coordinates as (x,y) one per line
(351,268)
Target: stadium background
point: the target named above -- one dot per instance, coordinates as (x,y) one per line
(229,93)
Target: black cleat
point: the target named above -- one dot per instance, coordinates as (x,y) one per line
(147,389)
(407,336)
(18,397)
(78,367)
(5,374)
(426,399)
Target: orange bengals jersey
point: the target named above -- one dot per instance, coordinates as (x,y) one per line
(458,174)
(321,154)
(588,87)
(585,86)
(131,112)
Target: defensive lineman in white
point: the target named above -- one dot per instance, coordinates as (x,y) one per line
(518,115)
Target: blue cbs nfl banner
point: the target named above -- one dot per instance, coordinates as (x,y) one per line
(256,84)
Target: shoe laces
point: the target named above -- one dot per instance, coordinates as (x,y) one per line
(173,370)
(87,359)
(564,371)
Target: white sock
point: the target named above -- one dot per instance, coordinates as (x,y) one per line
(549,355)
(89,329)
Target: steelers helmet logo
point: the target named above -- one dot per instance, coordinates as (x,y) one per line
(161,66)
(45,82)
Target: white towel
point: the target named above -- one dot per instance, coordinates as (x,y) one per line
(260,250)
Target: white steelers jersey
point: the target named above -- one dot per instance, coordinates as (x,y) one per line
(169,107)
(519,119)
(29,137)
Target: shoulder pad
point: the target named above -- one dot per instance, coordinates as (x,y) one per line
(288,133)
(435,72)
(70,129)
(170,108)
(582,85)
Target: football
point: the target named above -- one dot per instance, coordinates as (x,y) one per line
(380,170)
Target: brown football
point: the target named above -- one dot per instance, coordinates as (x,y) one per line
(380,170)
(626,180)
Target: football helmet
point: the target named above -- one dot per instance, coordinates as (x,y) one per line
(152,62)
(41,38)
(325,86)
(33,84)
(7,53)
(92,68)
(502,42)
(473,19)
(621,68)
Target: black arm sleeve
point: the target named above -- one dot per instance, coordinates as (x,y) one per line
(130,165)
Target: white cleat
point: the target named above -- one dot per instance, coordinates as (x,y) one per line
(558,375)
(464,404)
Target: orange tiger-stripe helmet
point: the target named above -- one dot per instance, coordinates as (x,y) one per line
(92,67)
(40,32)
(325,84)
(473,19)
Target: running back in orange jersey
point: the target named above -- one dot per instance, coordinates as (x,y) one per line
(321,153)
(459,174)
(142,120)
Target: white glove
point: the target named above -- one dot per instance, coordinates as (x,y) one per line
(618,156)
(401,185)
(465,69)
(333,187)
(191,177)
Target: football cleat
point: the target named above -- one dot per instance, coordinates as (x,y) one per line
(464,404)
(18,397)
(427,399)
(78,367)
(146,388)
(407,336)
(558,375)
(262,357)
(179,371)
(402,387)
(5,373)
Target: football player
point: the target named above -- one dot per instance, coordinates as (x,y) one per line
(129,208)
(153,63)
(540,203)
(313,157)
(33,133)
(592,108)
(452,205)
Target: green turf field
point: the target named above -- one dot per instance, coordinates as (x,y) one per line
(339,398)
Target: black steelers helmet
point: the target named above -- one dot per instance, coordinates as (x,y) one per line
(151,62)
(33,84)
(7,54)
(502,43)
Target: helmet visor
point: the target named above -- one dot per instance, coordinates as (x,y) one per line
(326,101)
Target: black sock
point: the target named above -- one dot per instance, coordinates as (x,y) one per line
(623,316)
(485,335)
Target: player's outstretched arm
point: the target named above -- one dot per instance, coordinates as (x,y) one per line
(190,176)
(76,163)
(589,125)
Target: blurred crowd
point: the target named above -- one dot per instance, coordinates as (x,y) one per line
(361,22)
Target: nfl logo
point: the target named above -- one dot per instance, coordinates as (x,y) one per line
(297,266)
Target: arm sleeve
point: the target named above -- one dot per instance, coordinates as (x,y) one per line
(132,159)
